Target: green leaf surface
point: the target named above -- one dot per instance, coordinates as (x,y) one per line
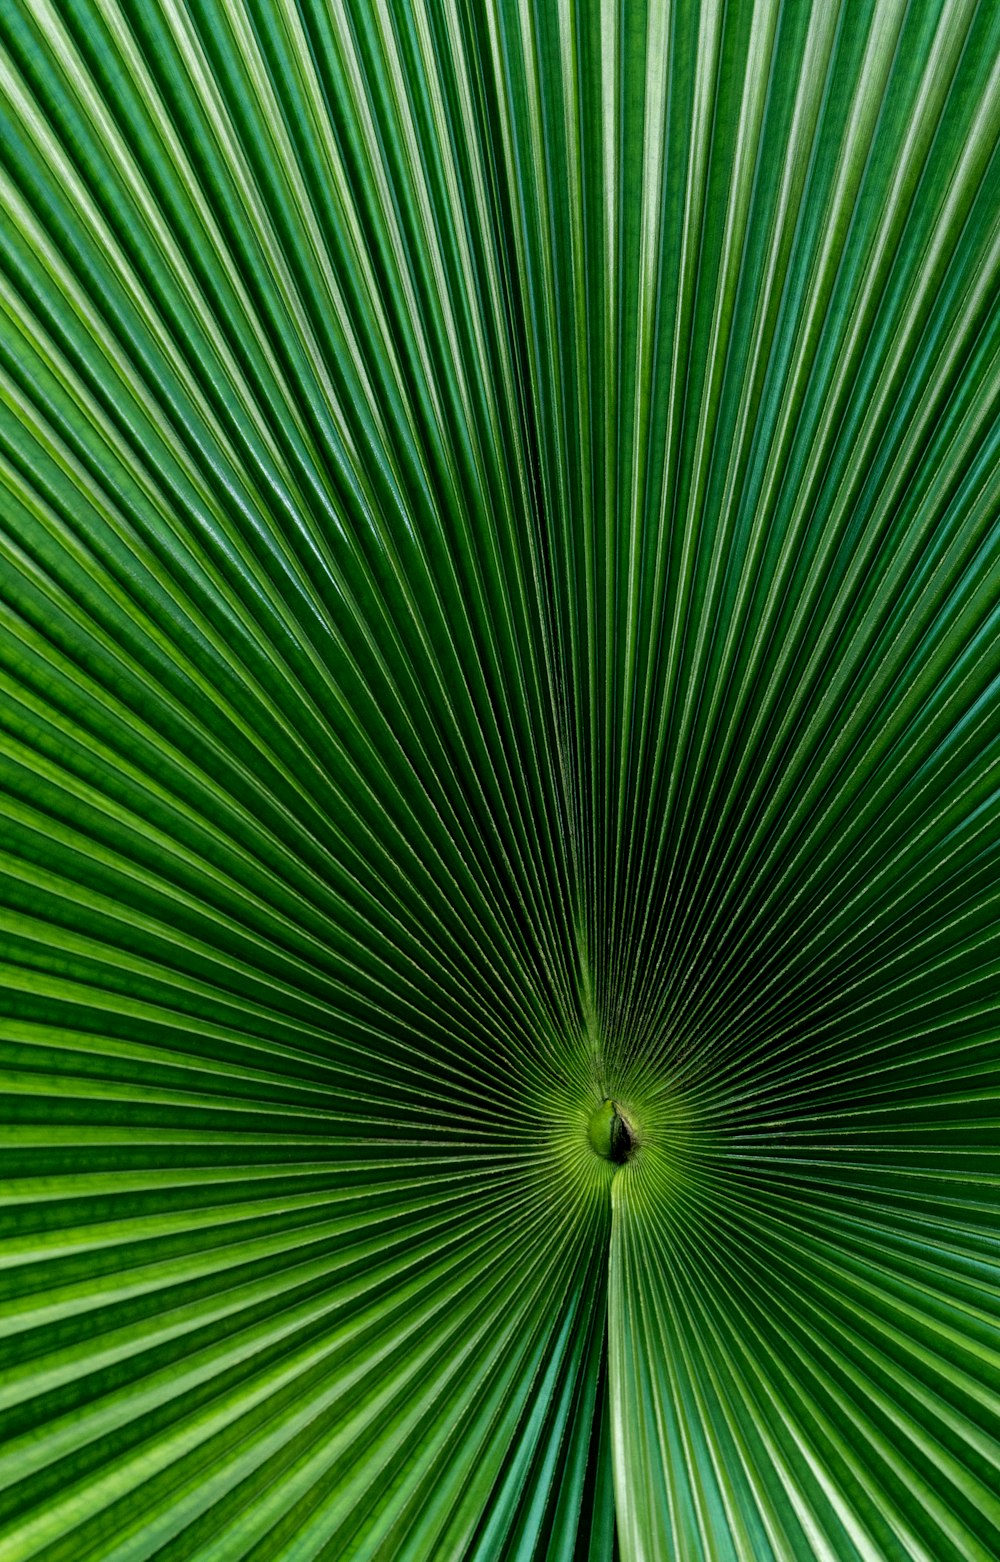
(499,780)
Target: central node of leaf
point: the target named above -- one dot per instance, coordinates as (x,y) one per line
(609,1133)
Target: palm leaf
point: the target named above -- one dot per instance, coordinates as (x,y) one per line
(500,564)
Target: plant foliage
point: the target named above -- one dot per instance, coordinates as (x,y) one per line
(498,661)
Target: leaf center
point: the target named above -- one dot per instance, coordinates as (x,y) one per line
(610,1134)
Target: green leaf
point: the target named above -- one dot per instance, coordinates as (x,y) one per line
(499,738)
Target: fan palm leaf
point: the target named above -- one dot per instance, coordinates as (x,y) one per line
(498,669)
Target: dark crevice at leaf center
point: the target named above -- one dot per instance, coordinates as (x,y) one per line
(610,1134)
